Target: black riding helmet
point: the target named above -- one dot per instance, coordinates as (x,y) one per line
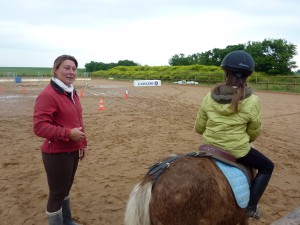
(239,62)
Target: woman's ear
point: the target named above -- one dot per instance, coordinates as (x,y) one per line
(53,72)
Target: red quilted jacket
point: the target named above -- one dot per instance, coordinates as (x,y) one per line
(55,115)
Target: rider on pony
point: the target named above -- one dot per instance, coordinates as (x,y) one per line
(230,118)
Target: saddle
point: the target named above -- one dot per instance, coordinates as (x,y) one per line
(204,151)
(223,156)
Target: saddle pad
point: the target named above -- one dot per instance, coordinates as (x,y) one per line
(238,182)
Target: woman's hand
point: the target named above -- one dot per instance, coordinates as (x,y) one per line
(76,134)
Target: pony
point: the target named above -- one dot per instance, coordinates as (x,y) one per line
(188,191)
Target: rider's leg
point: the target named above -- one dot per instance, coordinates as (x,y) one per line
(265,166)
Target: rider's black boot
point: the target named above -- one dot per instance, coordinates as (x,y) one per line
(258,187)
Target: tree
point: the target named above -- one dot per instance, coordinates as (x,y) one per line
(179,60)
(209,58)
(272,56)
(95,66)
(127,63)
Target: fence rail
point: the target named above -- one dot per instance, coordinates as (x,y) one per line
(275,83)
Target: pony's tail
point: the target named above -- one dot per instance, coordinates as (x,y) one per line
(137,209)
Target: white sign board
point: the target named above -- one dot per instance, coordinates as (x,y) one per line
(146,83)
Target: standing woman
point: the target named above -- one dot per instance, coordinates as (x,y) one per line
(230,118)
(58,119)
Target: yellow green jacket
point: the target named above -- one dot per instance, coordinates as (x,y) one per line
(223,128)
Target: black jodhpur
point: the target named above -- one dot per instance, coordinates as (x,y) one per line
(265,167)
(60,169)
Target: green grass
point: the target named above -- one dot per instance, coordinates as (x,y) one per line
(28,71)
(294,88)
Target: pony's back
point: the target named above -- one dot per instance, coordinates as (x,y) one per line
(192,191)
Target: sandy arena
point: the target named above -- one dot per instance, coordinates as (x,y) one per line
(123,141)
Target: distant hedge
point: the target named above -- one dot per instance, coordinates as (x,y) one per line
(165,73)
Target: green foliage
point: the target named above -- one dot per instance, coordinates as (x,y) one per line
(271,56)
(95,66)
(167,73)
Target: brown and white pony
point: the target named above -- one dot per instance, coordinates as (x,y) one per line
(191,191)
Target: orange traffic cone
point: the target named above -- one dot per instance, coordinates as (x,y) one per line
(24,91)
(101,106)
(126,94)
(81,93)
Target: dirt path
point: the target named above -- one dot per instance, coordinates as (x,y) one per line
(124,140)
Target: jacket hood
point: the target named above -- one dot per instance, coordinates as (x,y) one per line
(223,94)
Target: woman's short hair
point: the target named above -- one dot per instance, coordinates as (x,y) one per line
(58,61)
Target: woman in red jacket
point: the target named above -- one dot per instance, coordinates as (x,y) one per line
(58,119)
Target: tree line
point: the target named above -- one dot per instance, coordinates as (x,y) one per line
(271,56)
(95,66)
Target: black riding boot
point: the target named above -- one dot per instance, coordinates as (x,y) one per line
(257,189)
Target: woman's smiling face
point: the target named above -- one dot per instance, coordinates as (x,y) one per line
(66,72)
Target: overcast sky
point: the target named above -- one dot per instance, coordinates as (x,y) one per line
(34,32)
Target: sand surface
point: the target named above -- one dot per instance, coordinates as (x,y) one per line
(124,140)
